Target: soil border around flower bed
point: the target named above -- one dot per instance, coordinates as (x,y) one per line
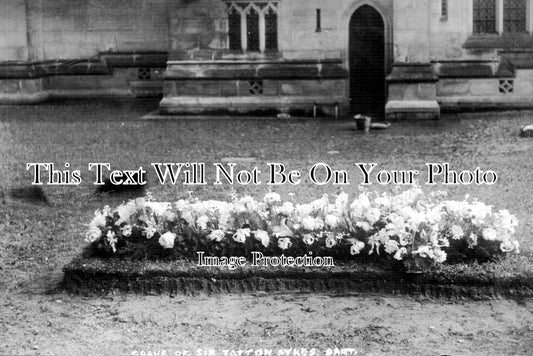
(511,278)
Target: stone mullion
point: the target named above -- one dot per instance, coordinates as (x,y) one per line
(529,17)
(499,16)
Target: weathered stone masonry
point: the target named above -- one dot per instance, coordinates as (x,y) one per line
(282,55)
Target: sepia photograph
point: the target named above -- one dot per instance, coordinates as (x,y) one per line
(266,177)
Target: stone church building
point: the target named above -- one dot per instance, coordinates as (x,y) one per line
(392,58)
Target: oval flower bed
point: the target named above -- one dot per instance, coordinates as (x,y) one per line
(407,226)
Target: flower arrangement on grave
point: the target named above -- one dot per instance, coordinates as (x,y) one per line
(407,226)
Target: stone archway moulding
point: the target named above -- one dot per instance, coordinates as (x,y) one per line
(345,28)
(386,15)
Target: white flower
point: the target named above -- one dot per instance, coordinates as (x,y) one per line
(247,204)
(182,205)
(391,246)
(479,212)
(304,210)
(282,230)
(92,234)
(516,246)
(99,220)
(241,235)
(112,240)
(167,240)
(202,222)
(216,235)
(360,205)
(150,231)
(271,198)
(457,232)
(125,212)
(508,246)
(321,203)
(240,208)
(158,208)
(262,236)
(472,240)
(169,215)
(319,223)
(284,243)
(372,215)
(331,241)
(126,230)
(308,239)
(424,251)
(405,239)
(357,247)
(402,251)
(185,209)
(341,201)
(383,201)
(374,243)
(106,211)
(331,220)
(489,234)
(286,209)
(363,225)
(506,221)
(439,256)
(308,223)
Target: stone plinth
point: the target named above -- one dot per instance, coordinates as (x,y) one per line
(253,86)
(412,92)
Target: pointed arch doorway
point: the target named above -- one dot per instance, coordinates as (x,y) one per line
(367,62)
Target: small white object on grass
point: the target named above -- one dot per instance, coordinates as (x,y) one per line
(526,131)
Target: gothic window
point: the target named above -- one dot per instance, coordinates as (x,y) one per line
(444,9)
(234,26)
(503,16)
(514,16)
(484,16)
(318,20)
(271,30)
(253,26)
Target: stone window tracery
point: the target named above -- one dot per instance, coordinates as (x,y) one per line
(502,16)
(514,16)
(252,30)
(506,86)
(484,16)
(253,26)
(271,30)
(234,26)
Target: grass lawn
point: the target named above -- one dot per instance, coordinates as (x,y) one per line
(37,240)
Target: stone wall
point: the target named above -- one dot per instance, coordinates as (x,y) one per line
(65,29)
(450,33)
(122,48)
(13,41)
(197,25)
(411,31)
(299,38)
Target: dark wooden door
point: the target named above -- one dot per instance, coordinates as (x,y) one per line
(367,62)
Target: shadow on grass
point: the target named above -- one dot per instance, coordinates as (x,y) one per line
(31,194)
